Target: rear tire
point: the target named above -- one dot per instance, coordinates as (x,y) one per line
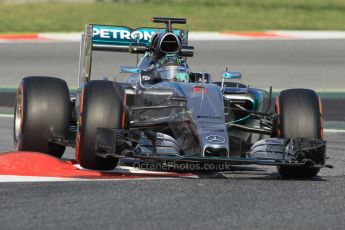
(42,112)
(299,116)
(101,106)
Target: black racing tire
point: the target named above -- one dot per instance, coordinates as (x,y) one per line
(42,112)
(101,106)
(299,116)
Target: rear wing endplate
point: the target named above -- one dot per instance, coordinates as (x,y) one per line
(116,39)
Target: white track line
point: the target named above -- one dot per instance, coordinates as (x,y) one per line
(127,169)
(6,115)
(334,131)
(209,36)
(14,178)
(194,36)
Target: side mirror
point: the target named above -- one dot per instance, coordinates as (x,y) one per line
(231,75)
(129,69)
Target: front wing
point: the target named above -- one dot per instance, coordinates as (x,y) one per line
(294,152)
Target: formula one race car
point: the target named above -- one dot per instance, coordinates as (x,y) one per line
(161,111)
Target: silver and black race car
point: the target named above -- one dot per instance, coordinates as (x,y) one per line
(161,111)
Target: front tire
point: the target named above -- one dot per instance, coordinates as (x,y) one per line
(101,106)
(299,116)
(42,112)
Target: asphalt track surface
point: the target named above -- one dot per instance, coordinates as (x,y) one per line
(248,197)
(245,198)
(283,64)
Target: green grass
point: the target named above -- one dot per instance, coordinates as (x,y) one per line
(206,15)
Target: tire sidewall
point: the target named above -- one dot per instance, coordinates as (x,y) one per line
(299,115)
(45,115)
(101,106)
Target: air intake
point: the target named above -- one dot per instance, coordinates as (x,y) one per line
(169,43)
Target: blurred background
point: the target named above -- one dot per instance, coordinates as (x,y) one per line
(203,15)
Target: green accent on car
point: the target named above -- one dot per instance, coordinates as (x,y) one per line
(182,76)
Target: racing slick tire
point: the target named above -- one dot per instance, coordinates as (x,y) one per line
(299,116)
(101,106)
(42,113)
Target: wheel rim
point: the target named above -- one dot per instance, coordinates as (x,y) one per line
(18,118)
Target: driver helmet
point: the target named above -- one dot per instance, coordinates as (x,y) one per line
(172,69)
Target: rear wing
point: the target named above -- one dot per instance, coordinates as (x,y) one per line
(116,39)
(125,37)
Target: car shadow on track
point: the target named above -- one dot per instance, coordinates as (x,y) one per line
(250,173)
(253,176)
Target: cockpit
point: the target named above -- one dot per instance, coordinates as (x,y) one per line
(172,73)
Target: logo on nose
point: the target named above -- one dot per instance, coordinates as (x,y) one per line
(215,139)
